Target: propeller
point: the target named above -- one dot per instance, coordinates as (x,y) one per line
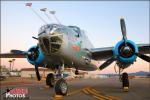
(33,54)
(107,63)
(34,57)
(144,57)
(18,52)
(37,73)
(123,29)
(125,50)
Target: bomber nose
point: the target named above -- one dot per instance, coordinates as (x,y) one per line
(56,40)
(51,43)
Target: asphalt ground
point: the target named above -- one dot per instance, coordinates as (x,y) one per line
(81,89)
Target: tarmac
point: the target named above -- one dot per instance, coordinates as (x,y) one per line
(81,89)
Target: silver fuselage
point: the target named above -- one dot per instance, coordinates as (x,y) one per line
(65,45)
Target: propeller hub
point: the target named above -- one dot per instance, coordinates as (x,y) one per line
(35,55)
(126,51)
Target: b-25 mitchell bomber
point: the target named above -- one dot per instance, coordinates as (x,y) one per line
(61,46)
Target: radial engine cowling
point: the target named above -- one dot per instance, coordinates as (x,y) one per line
(35,55)
(126,54)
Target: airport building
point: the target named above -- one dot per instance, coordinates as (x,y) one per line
(15,73)
(30,73)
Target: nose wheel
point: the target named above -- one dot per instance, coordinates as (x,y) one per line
(61,87)
(125,82)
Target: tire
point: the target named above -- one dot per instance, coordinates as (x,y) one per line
(50,80)
(61,87)
(125,80)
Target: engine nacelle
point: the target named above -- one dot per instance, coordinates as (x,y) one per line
(126,54)
(35,55)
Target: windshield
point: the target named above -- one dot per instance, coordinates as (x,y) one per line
(48,27)
(43,28)
(76,29)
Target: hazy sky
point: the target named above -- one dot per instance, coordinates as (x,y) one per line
(98,18)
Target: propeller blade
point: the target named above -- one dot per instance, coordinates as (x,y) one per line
(123,29)
(18,52)
(37,73)
(107,63)
(37,48)
(144,57)
(36,67)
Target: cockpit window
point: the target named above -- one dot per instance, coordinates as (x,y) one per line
(76,29)
(48,27)
(43,29)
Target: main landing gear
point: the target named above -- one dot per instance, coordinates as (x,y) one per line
(124,79)
(58,82)
(76,72)
(125,82)
(50,80)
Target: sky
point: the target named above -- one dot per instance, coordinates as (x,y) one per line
(100,20)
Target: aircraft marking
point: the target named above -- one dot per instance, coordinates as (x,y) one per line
(89,91)
(74,92)
(79,51)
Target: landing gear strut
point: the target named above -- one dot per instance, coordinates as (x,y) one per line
(125,82)
(124,79)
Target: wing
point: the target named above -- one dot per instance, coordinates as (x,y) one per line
(14,54)
(144,48)
(10,55)
(102,53)
(107,52)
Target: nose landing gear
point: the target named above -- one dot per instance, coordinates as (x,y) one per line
(57,81)
(61,87)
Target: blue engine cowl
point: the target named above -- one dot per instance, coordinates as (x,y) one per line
(35,55)
(129,57)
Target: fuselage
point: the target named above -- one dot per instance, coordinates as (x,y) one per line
(66,45)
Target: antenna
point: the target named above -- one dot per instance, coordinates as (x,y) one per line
(30,6)
(44,10)
(53,13)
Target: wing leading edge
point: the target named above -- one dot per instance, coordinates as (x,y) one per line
(10,55)
(14,54)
